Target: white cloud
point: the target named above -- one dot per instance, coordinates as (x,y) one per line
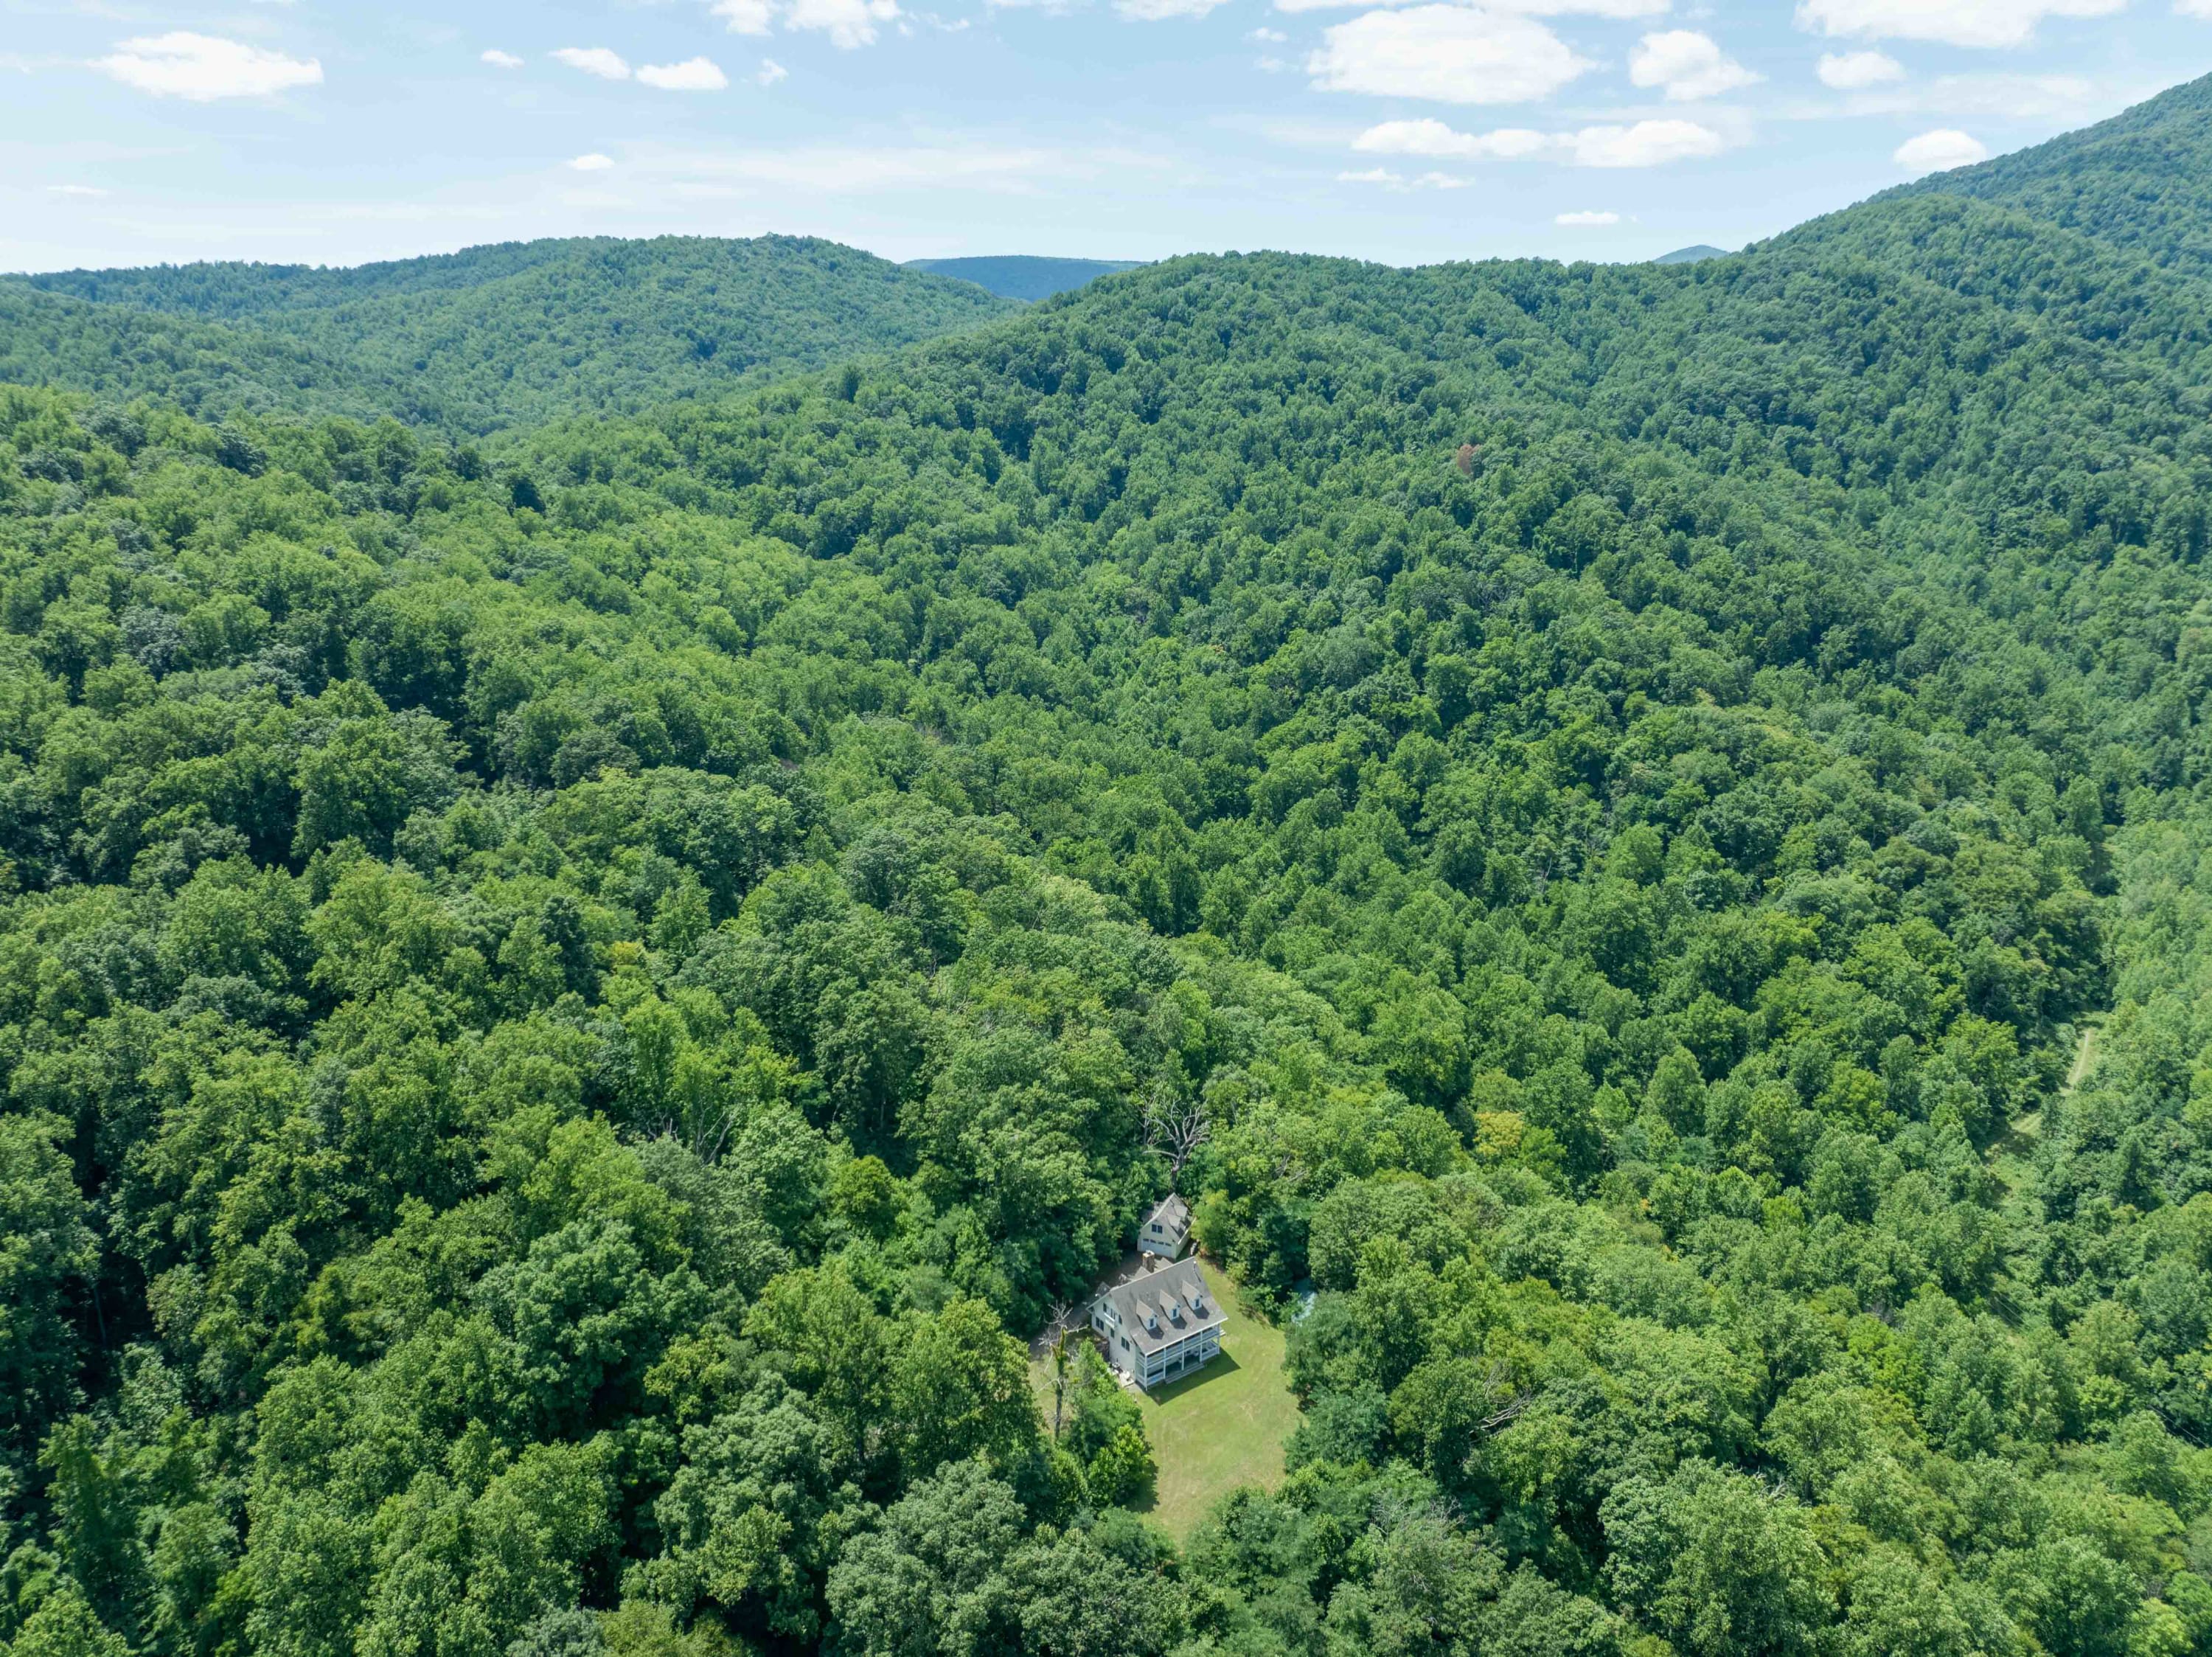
(1587,219)
(1647,143)
(1450,53)
(86,190)
(202,67)
(499,59)
(1276,37)
(2193,8)
(770,72)
(692,75)
(1151,11)
(746,16)
(594,60)
(1689,65)
(1618,9)
(592,163)
(1952,23)
(2002,97)
(1941,150)
(848,23)
(1430,136)
(1390,180)
(1854,71)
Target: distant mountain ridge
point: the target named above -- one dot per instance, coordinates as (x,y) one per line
(232,290)
(485,339)
(1026,277)
(512,335)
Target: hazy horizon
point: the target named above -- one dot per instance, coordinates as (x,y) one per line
(1610,130)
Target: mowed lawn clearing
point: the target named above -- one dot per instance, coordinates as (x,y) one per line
(1223,1427)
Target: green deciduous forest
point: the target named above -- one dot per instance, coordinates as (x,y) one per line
(479,341)
(570,1000)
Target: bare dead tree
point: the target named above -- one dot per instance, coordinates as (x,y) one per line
(1174,1129)
(705,1134)
(1061,1317)
(1064,1352)
(1507,1414)
(707,1131)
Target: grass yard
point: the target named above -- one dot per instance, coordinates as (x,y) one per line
(1223,1426)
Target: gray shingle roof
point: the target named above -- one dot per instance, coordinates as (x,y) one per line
(1172,1215)
(1164,1307)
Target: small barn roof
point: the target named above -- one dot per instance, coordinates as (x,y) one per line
(1172,1215)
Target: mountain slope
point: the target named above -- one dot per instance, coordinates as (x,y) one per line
(207,368)
(2137,181)
(499,336)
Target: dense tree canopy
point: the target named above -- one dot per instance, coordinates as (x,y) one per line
(565,1006)
(2135,181)
(478,341)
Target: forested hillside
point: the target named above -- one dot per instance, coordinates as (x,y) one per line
(484,340)
(2137,182)
(566,1009)
(118,353)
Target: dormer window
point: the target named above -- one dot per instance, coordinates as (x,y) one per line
(1177,1324)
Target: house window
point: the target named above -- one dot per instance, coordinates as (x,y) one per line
(1125,1342)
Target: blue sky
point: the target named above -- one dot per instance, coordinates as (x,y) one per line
(138,130)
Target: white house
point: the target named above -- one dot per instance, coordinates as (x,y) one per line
(1161,1326)
(1166,1228)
